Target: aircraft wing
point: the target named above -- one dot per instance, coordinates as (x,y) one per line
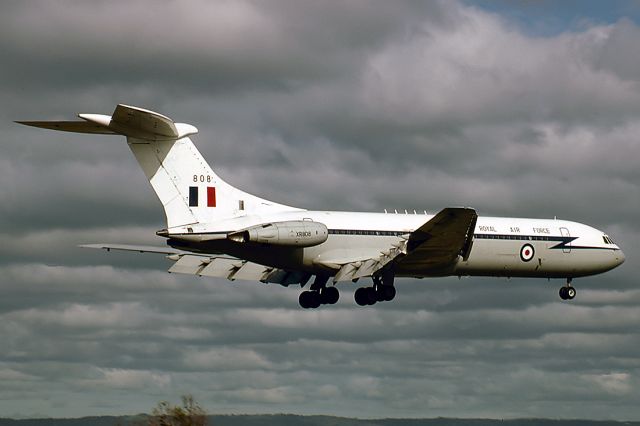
(438,243)
(220,266)
(434,246)
(129,247)
(233,268)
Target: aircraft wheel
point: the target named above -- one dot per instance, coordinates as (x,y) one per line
(309,299)
(389,293)
(372,297)
(563,293)
(361,296)
(567,293)
(303,300)
(330,295)
(316,301)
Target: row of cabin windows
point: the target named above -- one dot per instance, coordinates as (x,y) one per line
(606,238)
(361,232)
(478,236)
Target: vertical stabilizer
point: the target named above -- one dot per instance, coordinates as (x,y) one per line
(190,192)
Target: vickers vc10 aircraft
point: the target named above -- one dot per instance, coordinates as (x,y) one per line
(217,230)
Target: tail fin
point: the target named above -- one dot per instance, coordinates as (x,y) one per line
(190,192)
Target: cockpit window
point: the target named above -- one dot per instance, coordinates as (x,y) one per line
(607,240)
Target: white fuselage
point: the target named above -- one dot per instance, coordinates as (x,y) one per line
(511,247)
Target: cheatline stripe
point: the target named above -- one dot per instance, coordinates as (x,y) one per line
(563,241)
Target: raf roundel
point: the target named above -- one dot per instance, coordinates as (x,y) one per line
(527,252)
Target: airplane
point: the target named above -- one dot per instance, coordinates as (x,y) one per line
(216,230)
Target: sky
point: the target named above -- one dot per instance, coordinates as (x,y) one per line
(525,108)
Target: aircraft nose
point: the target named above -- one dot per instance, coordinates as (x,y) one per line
(618,257)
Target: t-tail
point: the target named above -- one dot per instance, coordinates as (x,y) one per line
(190,192)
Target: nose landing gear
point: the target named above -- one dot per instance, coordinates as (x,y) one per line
(567,292)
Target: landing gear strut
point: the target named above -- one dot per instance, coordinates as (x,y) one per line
(381,291)
(319,294)
(567,292)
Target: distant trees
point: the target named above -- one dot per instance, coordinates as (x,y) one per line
(190,413)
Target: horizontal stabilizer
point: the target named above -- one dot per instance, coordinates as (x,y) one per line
(126,120)
(70,126)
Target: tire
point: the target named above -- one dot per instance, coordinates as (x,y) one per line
(330,295)
(563,293)
(315,299)
(361,297)
(389,293)
(371,295)
(304,300)
(380,293)
(309,299)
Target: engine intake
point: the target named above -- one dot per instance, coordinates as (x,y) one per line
(302,233)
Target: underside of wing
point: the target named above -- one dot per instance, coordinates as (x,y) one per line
(219,266)
(366,267)
(233,269)
(438,244)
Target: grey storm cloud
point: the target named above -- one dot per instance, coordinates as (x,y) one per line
(328,105)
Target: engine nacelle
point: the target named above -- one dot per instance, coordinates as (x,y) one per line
(294,233)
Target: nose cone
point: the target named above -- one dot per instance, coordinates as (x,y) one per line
(618,258)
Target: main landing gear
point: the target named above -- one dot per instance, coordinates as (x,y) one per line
(567,292)
(319,294)
(381,291)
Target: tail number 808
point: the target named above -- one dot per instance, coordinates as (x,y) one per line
(202,178)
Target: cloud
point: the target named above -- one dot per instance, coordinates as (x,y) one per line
(345,106)
(128,379)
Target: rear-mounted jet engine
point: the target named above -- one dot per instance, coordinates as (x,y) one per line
(304,233)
